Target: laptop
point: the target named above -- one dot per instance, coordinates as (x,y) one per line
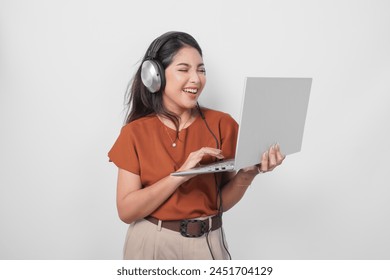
(273,111)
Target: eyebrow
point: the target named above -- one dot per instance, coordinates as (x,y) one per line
(186,64)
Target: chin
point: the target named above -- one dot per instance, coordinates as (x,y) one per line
(191,104)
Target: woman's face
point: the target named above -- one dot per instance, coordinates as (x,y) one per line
(185,80)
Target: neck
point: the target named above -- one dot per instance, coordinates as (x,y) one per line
(185,118)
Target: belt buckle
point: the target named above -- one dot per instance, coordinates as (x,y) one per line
(184,227)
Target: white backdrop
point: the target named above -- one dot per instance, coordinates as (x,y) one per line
(64,67)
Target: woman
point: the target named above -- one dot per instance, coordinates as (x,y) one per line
(175,217)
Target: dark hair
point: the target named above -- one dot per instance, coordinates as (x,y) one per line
(140,101)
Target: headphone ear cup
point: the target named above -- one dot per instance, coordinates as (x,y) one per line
(153,75)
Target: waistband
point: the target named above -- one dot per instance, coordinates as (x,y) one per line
(190,227)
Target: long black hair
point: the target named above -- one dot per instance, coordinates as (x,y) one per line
(140,101)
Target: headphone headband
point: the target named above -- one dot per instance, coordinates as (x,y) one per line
(159,42)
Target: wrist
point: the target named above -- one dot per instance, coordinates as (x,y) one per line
(178,180)
(244,178)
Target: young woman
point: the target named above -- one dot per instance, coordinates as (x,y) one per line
(166,130)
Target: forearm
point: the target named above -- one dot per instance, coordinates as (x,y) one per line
(235,189)
(142,202)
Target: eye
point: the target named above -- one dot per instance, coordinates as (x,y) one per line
(202,70)
(182,70)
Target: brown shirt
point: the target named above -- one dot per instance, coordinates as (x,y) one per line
(144,147)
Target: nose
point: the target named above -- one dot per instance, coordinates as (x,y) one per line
(195,79)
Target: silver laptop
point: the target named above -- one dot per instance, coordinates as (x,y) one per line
(273,111)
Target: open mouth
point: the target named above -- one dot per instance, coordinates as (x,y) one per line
(191,90)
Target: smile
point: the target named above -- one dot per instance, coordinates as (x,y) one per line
(191,90)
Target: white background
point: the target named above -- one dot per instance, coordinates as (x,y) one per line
(64,67)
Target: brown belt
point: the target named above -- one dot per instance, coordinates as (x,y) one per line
(189,228)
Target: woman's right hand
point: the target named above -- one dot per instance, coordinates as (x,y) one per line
(195,157)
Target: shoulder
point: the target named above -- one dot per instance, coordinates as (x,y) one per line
(139,125)
(218,116)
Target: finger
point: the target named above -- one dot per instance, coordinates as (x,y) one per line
(272,157)
(279,156)
(211,151)
(264,162)
(195,157)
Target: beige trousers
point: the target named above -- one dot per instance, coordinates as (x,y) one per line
(147,241)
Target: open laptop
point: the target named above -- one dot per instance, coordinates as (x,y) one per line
(273,111)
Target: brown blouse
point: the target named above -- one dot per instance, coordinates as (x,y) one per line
(144,147)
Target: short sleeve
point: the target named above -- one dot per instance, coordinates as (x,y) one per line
(124,153)
(229,132)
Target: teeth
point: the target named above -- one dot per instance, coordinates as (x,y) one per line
(190,90)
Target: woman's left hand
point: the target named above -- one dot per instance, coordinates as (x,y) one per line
(268,162)
(271,159)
